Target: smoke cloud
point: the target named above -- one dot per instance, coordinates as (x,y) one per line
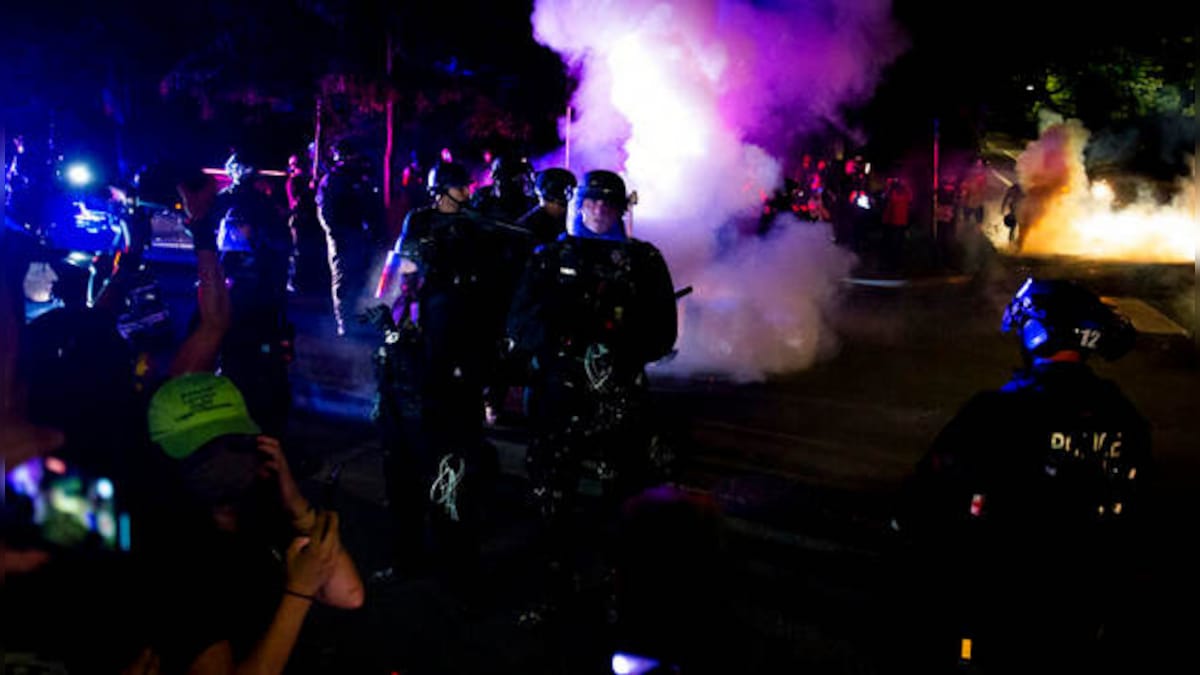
(691,100)
(1065,213)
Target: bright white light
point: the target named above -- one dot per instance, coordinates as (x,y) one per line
(79,175)
(1102,191)
(628,664)
(1029,87)
(104,488)
(621,665)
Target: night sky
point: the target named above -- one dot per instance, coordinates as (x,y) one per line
(135,79)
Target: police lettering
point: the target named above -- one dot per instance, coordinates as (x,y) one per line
(1105,444)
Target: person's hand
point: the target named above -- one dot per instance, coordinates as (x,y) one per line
(379,316)
(198,197)
(275,467)
(311,560)
(198,201)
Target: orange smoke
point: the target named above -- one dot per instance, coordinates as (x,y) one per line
(1063,213)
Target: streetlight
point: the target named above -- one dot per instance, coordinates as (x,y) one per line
(79,175)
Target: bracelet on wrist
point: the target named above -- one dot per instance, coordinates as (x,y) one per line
(310,598)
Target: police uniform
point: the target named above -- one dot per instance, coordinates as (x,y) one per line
(431,374)
(553,185)
(506,198)
(1028,503)
(591,313)
(507,207)
(543,228)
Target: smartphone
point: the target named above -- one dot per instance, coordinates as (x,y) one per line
(64,506)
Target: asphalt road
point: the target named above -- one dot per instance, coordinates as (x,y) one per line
(798,470)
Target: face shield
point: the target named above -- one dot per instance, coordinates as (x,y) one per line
(598,219)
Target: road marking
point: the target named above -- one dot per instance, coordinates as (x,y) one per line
(1145,318)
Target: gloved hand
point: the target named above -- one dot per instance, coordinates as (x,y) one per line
(379,316)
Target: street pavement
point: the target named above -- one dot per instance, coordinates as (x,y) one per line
(793,565)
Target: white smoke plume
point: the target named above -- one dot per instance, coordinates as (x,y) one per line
(689,99)
(1066,213)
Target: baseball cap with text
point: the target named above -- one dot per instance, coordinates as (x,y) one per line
(190,410)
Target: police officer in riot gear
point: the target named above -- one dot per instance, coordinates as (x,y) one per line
(350,211)
(255,244)
(440,340)
(593,308)
(508,196)
(548,219)
(541,225)
(1025,511)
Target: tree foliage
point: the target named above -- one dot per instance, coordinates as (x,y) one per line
(1123,85)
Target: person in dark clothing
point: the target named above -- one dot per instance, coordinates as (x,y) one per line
(593,308)
(255,245)
(850,209)
(946,223)
(1033,497)
(441,341)
(1010,206)
(548,219)
(302,221)
(543,223)
(351,212)
(897,204)
(236,554)
(508,196)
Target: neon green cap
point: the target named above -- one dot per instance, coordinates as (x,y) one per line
(191,410)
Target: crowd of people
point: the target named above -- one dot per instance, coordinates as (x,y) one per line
(531,284)
(190,440)
(874,214)
(227,555)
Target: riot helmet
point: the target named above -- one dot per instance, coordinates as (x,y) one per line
(240,166)
(514,175)
(555,185)
(505,170)
(1051,316)
(602,185)
(604,218)
(446,175)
